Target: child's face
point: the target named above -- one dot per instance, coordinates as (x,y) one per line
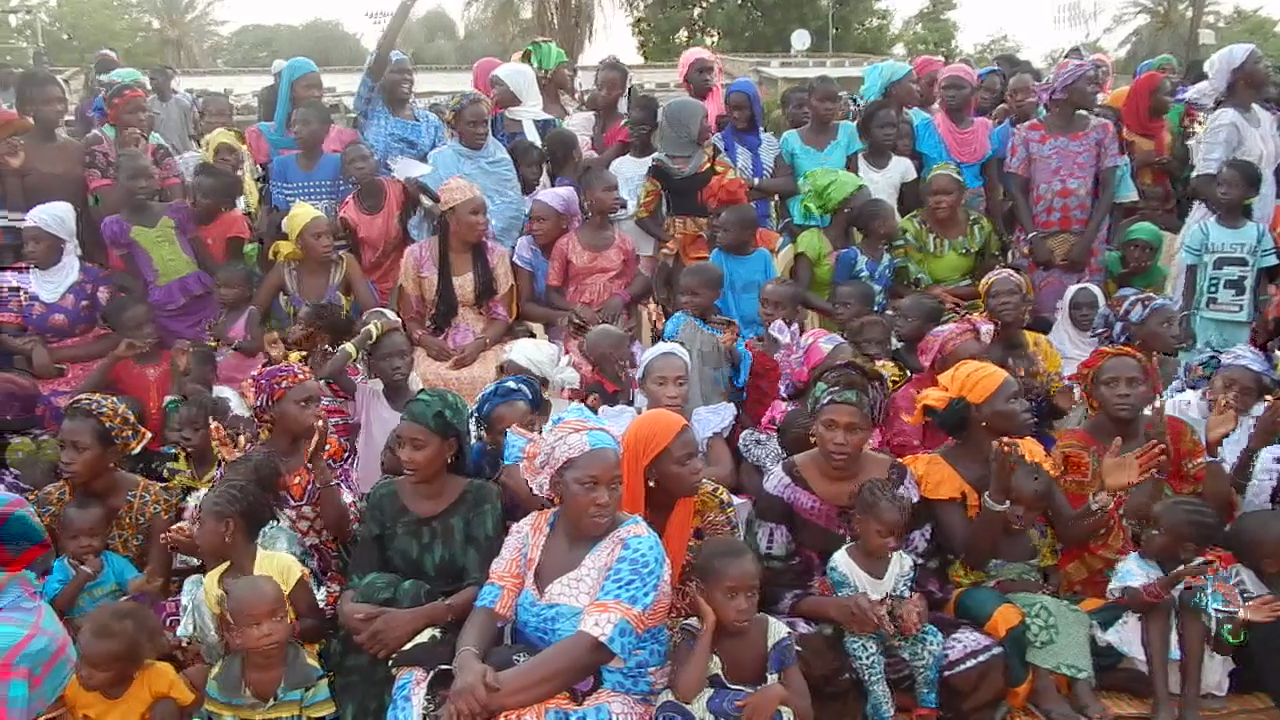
(731,234)
(910,322)
(904,143)
(205,203)
(734,594)
(215,113)
(259,622)
(358,164)
(308,131)
(546,224)
(102,666)
(506,416)
(1082,310)
(604,198)
(1138,255)
(825,105)
(193,432)
(316,239)
(389,460)
(1162,541)
(233,291)
(847,307)
(139,323)
(139,179)
(83,533)
(777,303)
(392,359)
(697,297)
(530,174)
(797,111)
(884,130)
(1232,191)
(880,532)
(228,157)
(641,122)
(212,535)
(874,341)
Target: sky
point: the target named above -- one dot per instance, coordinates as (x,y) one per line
(1030,23)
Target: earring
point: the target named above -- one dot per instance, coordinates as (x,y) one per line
(651,483)
(813,437)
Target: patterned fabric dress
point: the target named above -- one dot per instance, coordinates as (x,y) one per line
(402,560)
(619,595)
(590,278)
(928,259)
(100,160)
(130,531)
(713,516)
(389,135)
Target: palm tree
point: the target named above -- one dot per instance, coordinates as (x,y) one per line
(185,28)
(571,23)
(1154,27)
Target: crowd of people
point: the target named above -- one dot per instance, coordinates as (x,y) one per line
(955,398)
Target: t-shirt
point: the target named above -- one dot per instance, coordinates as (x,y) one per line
(155,681)
(111,584)
(744,278)
(377,420)
(230,224)
(281,567)
(323,187)
(1228,261)
(886,184)
(175,121)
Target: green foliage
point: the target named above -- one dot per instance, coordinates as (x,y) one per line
(1248,26)
(74,30)
(932,31)
(998,44)
(664,28)
(324,41)
(512,23)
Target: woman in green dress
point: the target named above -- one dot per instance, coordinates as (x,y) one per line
(423,550)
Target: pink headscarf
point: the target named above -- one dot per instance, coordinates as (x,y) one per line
(715,100)
(480,73)
(966,145)
(563,200)
(1104,59)
(926,64)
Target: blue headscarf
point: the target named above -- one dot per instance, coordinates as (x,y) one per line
(984,72)
(490,169)
(486,462)
(1128,308)
(1144,66)
(877,78)
(749,140)
(277,132)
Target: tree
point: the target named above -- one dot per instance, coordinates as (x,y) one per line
(1248,26)
(1154,27)
(664,28)
(184,28)
(73,30)
(932,31)
(432,38)
(999,44)
(571,23)
(324,41)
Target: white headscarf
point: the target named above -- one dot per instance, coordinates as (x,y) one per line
(58,218)
(653,353)
(546,361)
(1072,344)
(523,82)
(1219,68)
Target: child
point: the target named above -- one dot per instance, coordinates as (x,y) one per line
(118,676)
(872,337)
(795,106)
(1136,261)
(1164,634)
(231,516)
(891,178)
(1072,331)
(721,363)
(139,366)
(1228,259)
(197,461)
(322,327)
(1254,540)
(266,674)
(869,260)
(851,301)
(916,315)
(237,332)
(310,175)
(531,163)
(733,659)
(747,268)
(826,192)
(87,574)
(374,219)
(779,310)
(609,379)
(223,228)
(874,566)
(226,148)
(200,377)
(553,213)
(564,158)
(631,170)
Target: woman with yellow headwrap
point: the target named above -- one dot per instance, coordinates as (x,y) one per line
(309,260)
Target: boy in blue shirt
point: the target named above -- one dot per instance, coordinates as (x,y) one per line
(87,574)
(746,266)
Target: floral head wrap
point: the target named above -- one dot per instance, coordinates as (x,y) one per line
(1197,373)
(824,189)
(568,436)
(269,383)
(943,339)
(1066,75)
(1088,369)
(123,426)
(812,350)
(1128,308)
(646,437)
(1004,273)
(465,100)
(444,413)
(972,380)
(119,96)
(829,390)
(455,191)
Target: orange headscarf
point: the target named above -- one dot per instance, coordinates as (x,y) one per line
(973,380)
(646,437)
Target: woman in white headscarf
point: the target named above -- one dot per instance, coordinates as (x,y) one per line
(519,102)
(1237,128)
(1072,334)
(54,328)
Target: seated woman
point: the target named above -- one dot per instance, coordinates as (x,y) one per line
(1146,322)
(59,321)
(803,512)
(586,590)
(425,543)
(455,295)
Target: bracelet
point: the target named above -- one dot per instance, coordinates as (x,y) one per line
(993,505)
(467,648)
(326,486)
(1239,636)
(1153,592)
(352,351)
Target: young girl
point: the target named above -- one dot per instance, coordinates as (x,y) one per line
(732,660)
(720,361)
(226,148)
(779,313)
(1135,262)
(564,158)
(310,175)
(595,271)
(869,260)
(531,164)
(155,244)
(223,228)
(890,177)
(631,170)
(310,268)
(1228,259)
(1072,332)
(320,329)
(374,219)
(118,676)
(238,329)
(914,317)
(196,462)
(832,193)
(553,213)
(139,366)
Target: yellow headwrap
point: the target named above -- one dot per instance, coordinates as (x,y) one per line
(1117,97)
(973,380)
(231,136)
(299,215)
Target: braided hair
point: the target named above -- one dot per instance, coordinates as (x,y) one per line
(243,502)
(879,497)
(1195,520)
(446,309)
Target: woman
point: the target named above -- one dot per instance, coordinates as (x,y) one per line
(897,82)
(391,122)
(555,77)
(127,128)
(991,91)
(953,135)
(1118,382)
(804,517)
(97,432)
(58,322)
(965,339)
(1238,128)
(585,589)
(945,246)
(966,492)
(424,546)
(481,71)
(476,155)
(926,68)
(1149,141)
(519,103)
(1071,334)
(456,295)
(702,76)
(1061,163)
(1146,322)
(833,194)
(750,148)
(299,82)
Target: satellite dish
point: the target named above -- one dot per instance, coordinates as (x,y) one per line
(801,40)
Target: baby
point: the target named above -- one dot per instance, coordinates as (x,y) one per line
(87,574)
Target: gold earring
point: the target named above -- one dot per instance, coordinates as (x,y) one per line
(813,437)
(651,483)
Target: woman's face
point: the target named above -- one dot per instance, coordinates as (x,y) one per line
(1162,98)
(701,78)
(1253,72)
(503,96)
(1121,389)
(307,87)
(299,410)
(228,157)
(83,456)
(957,94)
(590,489)
(665,383)
(546,224)
(1082,309)
(1159,333)
(1007,413)
(905,91)
(1007,302)
(47,106)
(841,432)
(943,196)
(678,469)
(216,112)
(741,115)
(611,85)
(469,220)
(1083,93)
(397,81)
(929,89)
(423,455)
(824,105)
(41,248)
(1245,385)
(472,126)
(562,77)
(990,93)
(316,239)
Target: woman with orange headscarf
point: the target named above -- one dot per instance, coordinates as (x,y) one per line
(1149,142)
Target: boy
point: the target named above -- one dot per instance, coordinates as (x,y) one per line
(611,379)
(721,362)
(310,175)
(916,315)
(87,574)
(631,170)
(851,301)
(746,266)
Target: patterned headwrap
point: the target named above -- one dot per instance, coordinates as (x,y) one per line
(462,101)
(948,169)
(115,415)
(645,439)
(1066,75)
(872,401)
(1127,309)
(501,392)
(23,539)
(925,64)
(1004,273)
(972,380)
(455,191)
(943,339)
(568,436)
(824,189)
(1197,372)
(1088,369)
(444,413)
(119,96)
(812,350)
(269,383)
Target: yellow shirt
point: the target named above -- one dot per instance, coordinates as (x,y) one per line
(281,567)
(155,681)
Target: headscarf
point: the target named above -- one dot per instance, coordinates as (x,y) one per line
(455,191)
(545,360)
(658,350)
(806,357)
(1003,273)
(823,189)
(971,380)
(565,201)
(926,64)
(480,73)
(276,132)
(948,169)
(1250,358)
(1197,373)
(647,436)
(750,140)
(1072,344)
(269,383)
(568,436)
(23,538)
(121,424)
(544,56)
(1164,61)
(277,66)
(966,145)
(509,389)
(1128,308)
(679,151)
(1117,98)
(232,136)
(871,401)
(444,413)
(1101,60)
(877,78)
(1136,112)
(1219,69)
(524,85)
(119,96)
(300,215)
(1066,75)
(945,338)
(462,101)
(1088,369)
(1146,232)
(58,218)
(715,99)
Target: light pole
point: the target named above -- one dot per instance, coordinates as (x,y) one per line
(831,26)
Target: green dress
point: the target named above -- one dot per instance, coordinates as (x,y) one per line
(402,560)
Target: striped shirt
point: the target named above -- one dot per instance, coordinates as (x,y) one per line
(37,658)
(303,694)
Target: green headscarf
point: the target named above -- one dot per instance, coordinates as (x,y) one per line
(1153,279)
(445,414)
(1165,61)
(823,189)
(545,56)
